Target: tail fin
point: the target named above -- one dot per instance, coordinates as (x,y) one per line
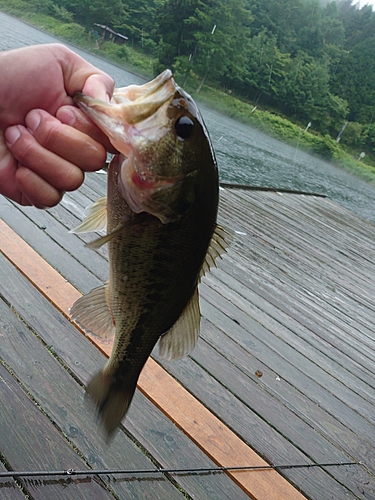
(111,399)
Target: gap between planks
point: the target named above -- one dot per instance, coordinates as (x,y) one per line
(195,420)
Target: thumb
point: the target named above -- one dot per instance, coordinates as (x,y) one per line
(99,86)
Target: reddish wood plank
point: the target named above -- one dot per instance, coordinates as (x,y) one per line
(208,432)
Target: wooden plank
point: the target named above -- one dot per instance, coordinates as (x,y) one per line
(294,367)
(262,433)
(24,427)
(295,285)
(9,489)
(316,444)
(341,362)
(343,332)
(302,428)
(221,444)
(272,317)
(209,432)
(35,269)
(40,241)
(46,378)
(288,240)
(330,239)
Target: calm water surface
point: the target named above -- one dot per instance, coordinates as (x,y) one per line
(244,155)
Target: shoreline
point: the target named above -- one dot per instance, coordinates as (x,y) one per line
(265,121)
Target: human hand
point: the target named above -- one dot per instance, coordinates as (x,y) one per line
(46,143)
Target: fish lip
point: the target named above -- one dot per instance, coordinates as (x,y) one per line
(136,92)
(140,102)
(123,117)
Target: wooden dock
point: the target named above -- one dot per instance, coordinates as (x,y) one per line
(283,372)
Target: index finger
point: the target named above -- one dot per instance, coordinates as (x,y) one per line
(80,75)
(74,117)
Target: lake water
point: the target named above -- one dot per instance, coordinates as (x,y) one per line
(244,155)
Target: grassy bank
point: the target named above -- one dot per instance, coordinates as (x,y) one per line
(60,25)
(281,128)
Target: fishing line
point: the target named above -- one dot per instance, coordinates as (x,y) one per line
(191,471)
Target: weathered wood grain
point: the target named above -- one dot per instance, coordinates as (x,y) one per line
(25,306)
(57,256)
(30,441)
(62,398)
(294,296)
(270,312)
(326,391)
(9,489)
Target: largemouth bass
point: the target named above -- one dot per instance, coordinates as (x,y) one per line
(160,214)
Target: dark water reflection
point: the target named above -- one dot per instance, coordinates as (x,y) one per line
(244,155)
(247,156)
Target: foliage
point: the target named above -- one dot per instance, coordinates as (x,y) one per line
(118,53)
(16,7)
(88,12)
(353,135)
(307,60)
(71,32)
(62,14)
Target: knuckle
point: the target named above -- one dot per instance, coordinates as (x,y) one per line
(47,134)
(24,148)
(72,180)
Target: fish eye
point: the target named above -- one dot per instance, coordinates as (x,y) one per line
(184,127)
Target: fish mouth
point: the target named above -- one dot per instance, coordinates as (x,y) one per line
(129,107)
(139,102)
(135,120)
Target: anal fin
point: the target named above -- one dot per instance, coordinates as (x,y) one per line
(181,339)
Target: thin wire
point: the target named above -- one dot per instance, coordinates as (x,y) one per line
(92,472)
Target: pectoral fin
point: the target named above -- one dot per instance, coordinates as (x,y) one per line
(181,339)
(105,239)
(91,312)
(96,219)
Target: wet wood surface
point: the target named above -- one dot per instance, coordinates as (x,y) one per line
(216,440)
(286,357)
(53,365)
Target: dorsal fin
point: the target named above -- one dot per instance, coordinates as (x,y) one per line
(218,245)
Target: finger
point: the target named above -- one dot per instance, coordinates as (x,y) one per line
(34,190)
(66,142)
(56,171)
(74,117)
(14,181)
(8,168)
(99,86)
(78,72)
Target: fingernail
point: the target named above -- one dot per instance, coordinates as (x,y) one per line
(33,121)
(66,116)
(12,134)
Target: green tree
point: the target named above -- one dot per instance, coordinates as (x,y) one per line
(209,38)
(176,38)
(355,81)
(138,22)
(88,12)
